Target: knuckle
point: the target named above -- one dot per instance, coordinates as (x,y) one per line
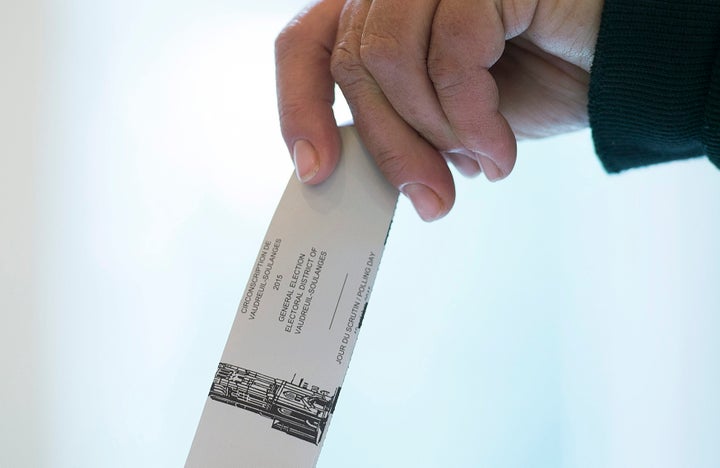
(345,67)
(342,60)
(446,77)
(380,50)
(291,109)
(393,164)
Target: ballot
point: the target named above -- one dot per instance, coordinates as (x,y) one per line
(279,379)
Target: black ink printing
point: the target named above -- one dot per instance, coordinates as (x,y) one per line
(259,278)
(295,409)
(303,282)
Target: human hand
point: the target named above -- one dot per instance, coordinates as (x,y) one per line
(444,81)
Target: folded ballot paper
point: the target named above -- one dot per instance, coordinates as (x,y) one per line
(279,378)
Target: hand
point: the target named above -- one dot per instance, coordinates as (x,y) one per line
(434,81)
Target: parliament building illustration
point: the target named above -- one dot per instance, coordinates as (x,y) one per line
(297,409)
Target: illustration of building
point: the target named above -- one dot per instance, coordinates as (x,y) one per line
(295,409)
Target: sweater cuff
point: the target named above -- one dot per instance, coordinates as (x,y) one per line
(711,131)
(655,82)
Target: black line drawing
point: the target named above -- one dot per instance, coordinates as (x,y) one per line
(295,409)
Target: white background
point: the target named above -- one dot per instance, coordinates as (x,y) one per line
(562,317)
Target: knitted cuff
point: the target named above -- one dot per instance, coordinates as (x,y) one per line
(653,97)
(711,131)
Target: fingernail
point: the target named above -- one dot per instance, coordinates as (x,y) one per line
(306,160)
(426,202)
(463,162)
(491,170)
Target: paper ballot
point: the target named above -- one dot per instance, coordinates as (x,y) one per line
(279,378)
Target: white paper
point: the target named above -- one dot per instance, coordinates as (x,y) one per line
(282,369)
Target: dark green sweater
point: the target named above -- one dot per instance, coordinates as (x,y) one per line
(655,82)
